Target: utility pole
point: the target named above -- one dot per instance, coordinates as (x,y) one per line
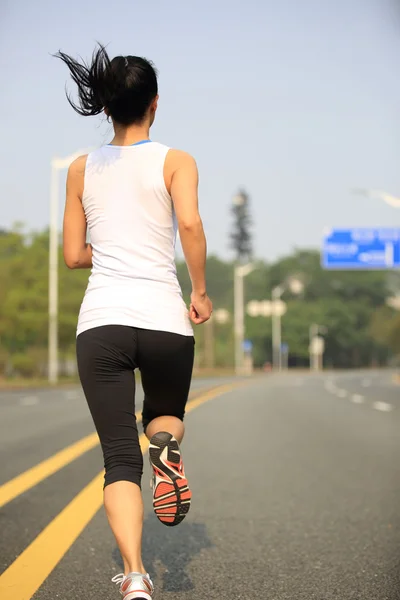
(296,286)
(276,329)
(241,244)
(209,343)
(53,279)
(57,165)
(314,330)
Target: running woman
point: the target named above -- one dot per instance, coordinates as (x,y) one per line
(132,195)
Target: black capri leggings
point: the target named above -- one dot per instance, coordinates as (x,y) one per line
(107,357)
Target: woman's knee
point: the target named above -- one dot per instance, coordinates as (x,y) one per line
(123,464)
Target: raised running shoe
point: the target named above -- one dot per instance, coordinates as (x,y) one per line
(171,493)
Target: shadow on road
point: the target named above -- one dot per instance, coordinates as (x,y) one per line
(168,551)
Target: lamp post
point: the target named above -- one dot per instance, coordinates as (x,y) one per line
(57,165)
(276,329)
(275,309)
(239,274)
(296,286)
(241,239)
(316,348)
(220,316)
(313,333)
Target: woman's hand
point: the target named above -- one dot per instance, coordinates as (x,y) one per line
(200,309)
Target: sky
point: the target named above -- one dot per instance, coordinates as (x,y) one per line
(296,102)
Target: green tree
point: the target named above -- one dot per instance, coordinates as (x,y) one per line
(362,329)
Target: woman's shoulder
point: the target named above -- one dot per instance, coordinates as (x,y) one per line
(173,153)
(78,165)
(180,158)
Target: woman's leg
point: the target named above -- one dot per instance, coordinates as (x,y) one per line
(173,425)
(124,508)
(106,361)
(166,363)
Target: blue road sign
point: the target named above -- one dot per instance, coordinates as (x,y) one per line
(247,346)
(361,248)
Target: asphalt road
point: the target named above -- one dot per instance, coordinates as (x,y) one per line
(296,495)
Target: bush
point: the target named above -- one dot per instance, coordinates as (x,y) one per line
(39,357)
(23,365)
(4,361)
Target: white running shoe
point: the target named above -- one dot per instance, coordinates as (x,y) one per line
(134,586)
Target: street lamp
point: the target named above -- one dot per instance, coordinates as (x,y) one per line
(220,316)
(296,286)
(240,273)
(57,165)
(239,199)
(241,243)
(316,345)
(384,196)
(275,309)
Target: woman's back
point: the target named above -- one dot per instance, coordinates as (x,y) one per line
(132,228)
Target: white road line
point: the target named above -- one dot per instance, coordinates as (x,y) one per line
(71,395)
(357,398)
(342,393)
(330,386)
(29,401)
(383,406)
(365,383)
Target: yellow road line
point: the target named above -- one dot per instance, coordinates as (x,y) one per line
(28,479)
(211,394)
(35,475)
(28,572)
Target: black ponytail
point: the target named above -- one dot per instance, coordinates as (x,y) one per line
(125,86)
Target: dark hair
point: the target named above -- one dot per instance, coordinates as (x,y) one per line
(125,85)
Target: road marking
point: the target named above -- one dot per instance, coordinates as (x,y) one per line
(365,383)
(71,395)
(211,394)
(28,479)
(382,406)
(330,386)
(342,393)
(29,401)
(357,398)
(36,474)
(27,573)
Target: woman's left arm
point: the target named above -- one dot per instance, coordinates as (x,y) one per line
(77,253)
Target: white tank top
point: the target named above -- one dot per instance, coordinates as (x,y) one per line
(132,227)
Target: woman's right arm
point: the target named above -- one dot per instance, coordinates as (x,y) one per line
(77,253)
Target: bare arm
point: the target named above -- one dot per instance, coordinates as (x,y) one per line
(77,253)
(184,193)
(184,186)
